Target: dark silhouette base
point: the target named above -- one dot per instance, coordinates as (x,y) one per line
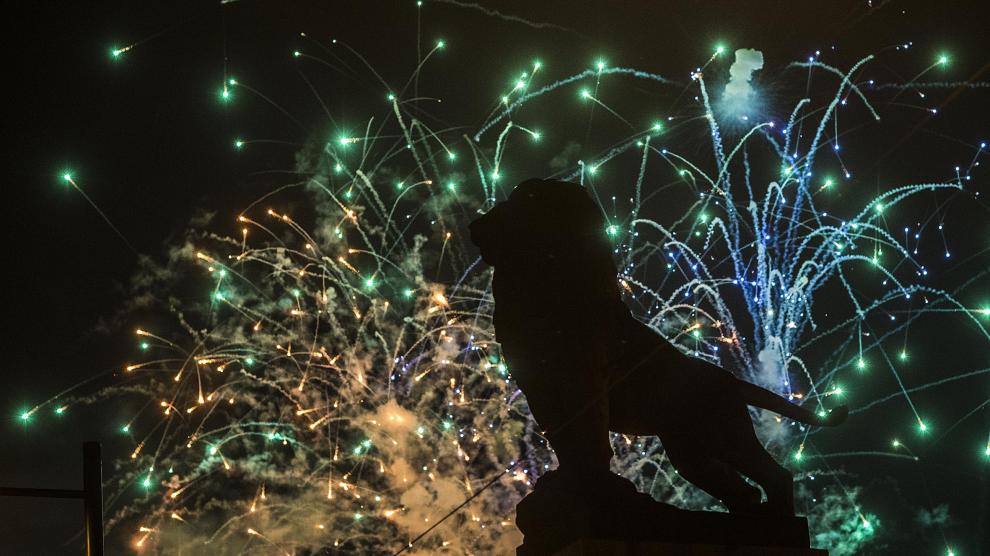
(586,547)
(605,514)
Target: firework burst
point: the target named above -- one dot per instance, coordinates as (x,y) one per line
(332,383)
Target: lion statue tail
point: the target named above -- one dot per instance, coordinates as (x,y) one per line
(760,397)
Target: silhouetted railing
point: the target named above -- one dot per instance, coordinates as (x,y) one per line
(91,495)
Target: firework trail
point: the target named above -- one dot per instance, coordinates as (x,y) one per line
(67,178)
(935,85)
(334,382)
(497,14)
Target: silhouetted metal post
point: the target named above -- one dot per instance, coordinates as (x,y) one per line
(93,498)
(91,495)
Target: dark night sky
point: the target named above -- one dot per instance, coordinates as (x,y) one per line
(149,142)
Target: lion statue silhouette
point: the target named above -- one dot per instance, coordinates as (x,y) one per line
(587,366)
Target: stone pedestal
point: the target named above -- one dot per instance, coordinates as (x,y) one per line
(568,515)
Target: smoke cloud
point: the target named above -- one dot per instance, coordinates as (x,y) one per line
(739,95)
